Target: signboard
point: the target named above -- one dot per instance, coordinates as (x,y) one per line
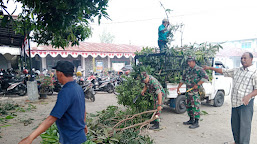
(117,66)
(99,66)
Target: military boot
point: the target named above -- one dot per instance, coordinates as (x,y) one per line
(155,126)
(195,124)
(191,121)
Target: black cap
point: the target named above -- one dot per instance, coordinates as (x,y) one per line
(191,58)
(64,66)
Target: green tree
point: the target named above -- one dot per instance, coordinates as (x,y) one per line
(167,67)
(106,37)
(58,22)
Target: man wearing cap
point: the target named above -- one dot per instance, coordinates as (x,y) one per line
(69,111)
(162,34)
(193,77)
(244,90)
(159,95)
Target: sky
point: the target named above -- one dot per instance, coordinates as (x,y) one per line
(136,22)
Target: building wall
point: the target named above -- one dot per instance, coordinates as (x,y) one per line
(249,45)
(51,61)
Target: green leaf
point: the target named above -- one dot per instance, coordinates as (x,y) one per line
(114,139)
(6,125)
(9,117)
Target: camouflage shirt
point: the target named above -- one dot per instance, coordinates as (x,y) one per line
(193,75)
(154,85)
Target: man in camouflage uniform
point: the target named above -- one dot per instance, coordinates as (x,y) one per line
(193,77)
(155,88)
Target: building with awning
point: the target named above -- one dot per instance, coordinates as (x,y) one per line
(10,44)
(88,56)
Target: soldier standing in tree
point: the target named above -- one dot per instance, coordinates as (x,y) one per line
(193,77)
(159,95)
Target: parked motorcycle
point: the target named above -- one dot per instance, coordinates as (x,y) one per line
(89,91)
(87,87)
(11,86)
(103,84)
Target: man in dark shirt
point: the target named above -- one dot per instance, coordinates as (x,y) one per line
(69,111)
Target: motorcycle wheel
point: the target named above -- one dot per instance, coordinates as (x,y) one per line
(110,88)
(92,98)
(22,90)
(89,95)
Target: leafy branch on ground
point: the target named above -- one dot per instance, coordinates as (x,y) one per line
(8,111)
(111,125)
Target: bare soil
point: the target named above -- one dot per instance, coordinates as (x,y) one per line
(214,126)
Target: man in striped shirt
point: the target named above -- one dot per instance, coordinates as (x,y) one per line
(243,92)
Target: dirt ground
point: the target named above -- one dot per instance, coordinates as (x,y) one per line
(214,126)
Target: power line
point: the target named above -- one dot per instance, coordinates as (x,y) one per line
(132,21)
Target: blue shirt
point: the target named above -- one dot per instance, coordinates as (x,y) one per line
(162,35)
(70,111)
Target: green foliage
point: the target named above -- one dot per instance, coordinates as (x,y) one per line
(46,83)
(8,111)
(204,113)
(166,67)
(29,108)
(106,37)
(50,136)
(100,126)
(59,22)
(4,108)
(129,90)
(9,117)
(170,66)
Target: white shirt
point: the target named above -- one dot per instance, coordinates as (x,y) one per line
(244,82)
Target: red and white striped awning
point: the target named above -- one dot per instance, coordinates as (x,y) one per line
(86,49)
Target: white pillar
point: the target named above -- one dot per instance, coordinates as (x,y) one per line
(83,65)
(130,60)
(32,90)
(43,63)
(109,62)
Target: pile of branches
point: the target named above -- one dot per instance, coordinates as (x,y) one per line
(113,126)
(116,126)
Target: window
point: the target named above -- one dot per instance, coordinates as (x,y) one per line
(237,63)
(246,45)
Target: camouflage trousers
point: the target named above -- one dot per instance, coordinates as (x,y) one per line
(193,104)
(158,113)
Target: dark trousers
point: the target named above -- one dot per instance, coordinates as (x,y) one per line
(162,45)
(241,119)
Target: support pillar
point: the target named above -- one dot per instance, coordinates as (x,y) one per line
(43,63)
(83,65)
(32,90)
(130,60)
(109,62)
(93,63)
